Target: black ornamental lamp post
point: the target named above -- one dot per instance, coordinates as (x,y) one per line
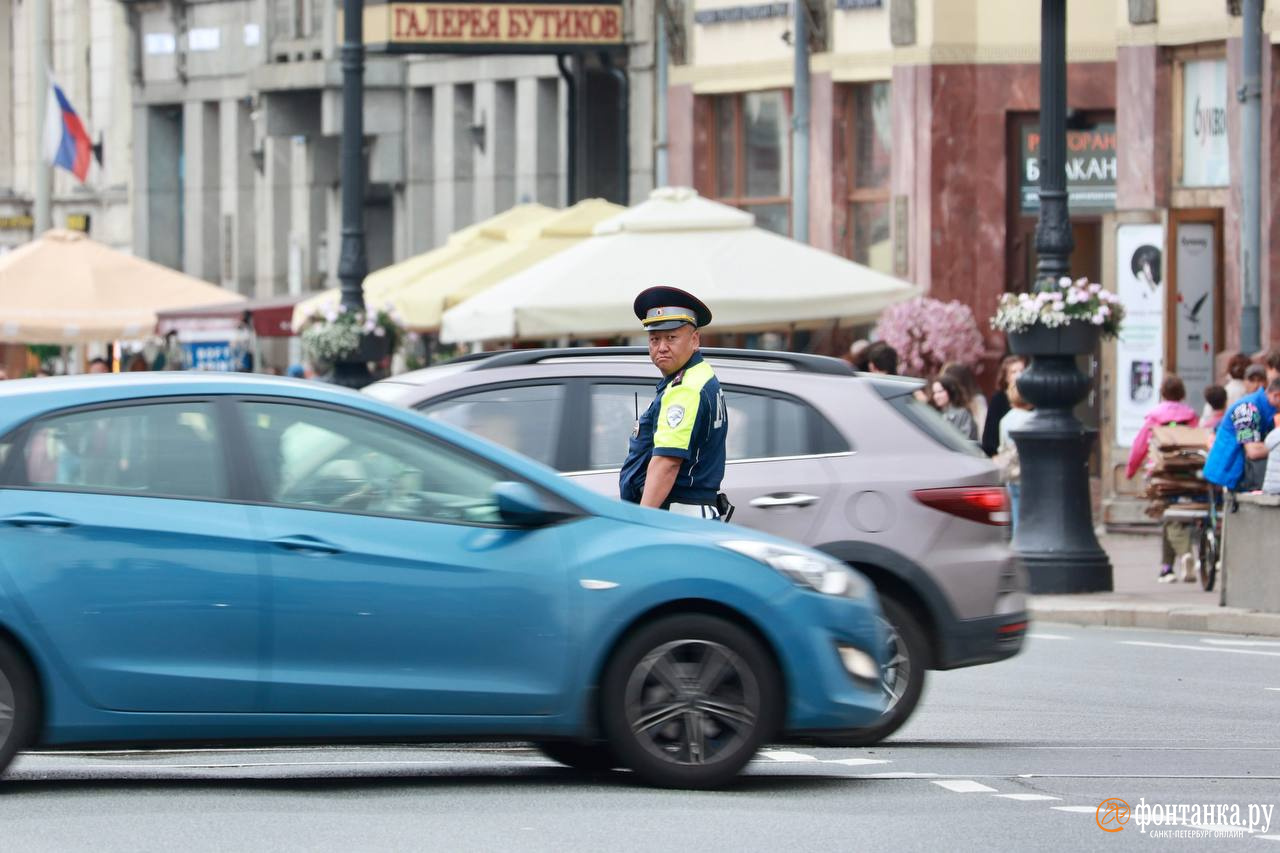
(353,264)
(1055,535)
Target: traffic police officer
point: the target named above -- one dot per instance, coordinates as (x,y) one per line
(677,452)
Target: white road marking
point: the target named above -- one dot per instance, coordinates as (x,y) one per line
(783,755)
(900,775)
(1270,644)
(1200,648)
(1276,689)
(1076,809)
(964,786)
(1036,635)
(855,762)
(1267,837)
(1027,797)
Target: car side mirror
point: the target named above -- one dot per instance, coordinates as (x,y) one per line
(522,505)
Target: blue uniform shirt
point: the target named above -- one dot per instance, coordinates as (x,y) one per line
(687,419)
(1248,420)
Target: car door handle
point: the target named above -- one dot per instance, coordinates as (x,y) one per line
(778,499)
(37,519)
(306,544)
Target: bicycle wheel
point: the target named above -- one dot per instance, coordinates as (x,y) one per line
(1208,556)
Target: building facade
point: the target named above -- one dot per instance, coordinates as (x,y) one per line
(238,115)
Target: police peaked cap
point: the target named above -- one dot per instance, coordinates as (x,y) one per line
(661,308)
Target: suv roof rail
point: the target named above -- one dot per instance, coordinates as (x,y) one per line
(803,362)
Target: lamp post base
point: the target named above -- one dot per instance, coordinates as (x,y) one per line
(1065,572)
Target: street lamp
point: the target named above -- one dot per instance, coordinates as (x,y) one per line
(1055,535)
(353,263)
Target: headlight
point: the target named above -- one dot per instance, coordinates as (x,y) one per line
(807,568)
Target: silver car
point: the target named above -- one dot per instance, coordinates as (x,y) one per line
(851,464)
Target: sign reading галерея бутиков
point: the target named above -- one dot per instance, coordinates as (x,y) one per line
(520,27)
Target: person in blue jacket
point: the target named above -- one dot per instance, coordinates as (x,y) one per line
(1238,456)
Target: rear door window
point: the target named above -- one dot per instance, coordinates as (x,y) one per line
(156,450)
(761,425)
(523,418)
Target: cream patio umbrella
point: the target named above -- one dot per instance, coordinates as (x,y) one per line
(64,288)
(752,279)
(384,285)
(428,299)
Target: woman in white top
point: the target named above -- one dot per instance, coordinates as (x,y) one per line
(1019,414)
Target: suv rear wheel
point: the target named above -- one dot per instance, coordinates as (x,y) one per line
(687,700)
(902,677)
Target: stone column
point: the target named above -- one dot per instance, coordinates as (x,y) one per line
(419,210)
(238,226)
(483,112)
(272,217)
(201,190)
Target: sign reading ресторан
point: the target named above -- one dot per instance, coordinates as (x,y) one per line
(517,27)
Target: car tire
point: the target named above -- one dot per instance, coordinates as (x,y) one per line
(587,757)
(19,705)
(687,700)
(902,678)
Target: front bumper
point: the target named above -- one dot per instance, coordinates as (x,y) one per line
(822,693)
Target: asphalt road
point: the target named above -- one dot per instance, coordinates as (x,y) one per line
(1015,756)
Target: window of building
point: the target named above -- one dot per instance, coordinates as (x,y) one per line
(869,135)
(752,155)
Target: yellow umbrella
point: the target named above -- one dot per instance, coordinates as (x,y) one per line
(424,302)
(64,288)
(521,221)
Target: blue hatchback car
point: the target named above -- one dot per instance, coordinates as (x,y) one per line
(195,558)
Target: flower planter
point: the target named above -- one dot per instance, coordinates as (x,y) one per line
(372,348)
(1071,339)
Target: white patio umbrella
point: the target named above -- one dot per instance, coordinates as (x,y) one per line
(750,278)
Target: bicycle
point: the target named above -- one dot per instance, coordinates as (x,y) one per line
(1206,528)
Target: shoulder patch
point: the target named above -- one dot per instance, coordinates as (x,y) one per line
(675,414)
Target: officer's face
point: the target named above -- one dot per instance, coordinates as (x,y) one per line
(670,349)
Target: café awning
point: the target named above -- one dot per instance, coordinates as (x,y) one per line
(271,317)
(64,288)
(751,278)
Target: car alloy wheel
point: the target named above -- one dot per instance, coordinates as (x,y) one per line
(689,700)
(18,705)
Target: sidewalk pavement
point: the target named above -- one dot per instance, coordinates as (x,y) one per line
(1140,602)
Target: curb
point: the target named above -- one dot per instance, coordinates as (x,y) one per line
(1217,620)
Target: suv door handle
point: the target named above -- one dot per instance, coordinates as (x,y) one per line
(37,519)
(778,499)
(306,544)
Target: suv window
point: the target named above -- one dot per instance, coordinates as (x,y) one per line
(317,458)
(761,425)
(161,450)
(524,418)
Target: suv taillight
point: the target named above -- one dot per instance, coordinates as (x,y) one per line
(983,504)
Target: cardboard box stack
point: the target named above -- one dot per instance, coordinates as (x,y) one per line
(1175,460)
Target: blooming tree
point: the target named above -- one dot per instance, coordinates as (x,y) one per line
(928,333)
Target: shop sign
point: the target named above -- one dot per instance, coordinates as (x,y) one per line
(20,222)
(1091,168)
(1206,156)
(78,222)
(1140,348)
(459,27)
(734,14)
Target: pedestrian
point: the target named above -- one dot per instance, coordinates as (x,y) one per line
(1006,458)
(138,362)
(99,365)
(1215,406)
(882,358)
(1012,365)
(1271,361)
(1255,376)
(1172,409)
(857,357)
(3,374)
(171,356)
(977,401)
(1236,366)
(948,397)
(1236,460)
(676,457)
(1175,537)
(1271,482)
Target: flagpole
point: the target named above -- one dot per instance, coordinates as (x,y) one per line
(40,98)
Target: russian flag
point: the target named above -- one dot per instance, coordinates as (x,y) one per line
(65,142)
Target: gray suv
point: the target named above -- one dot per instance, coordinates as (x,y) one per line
(850,464)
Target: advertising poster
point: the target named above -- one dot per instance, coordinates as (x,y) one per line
(1206,152)
(1140,349)
(1196,320)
